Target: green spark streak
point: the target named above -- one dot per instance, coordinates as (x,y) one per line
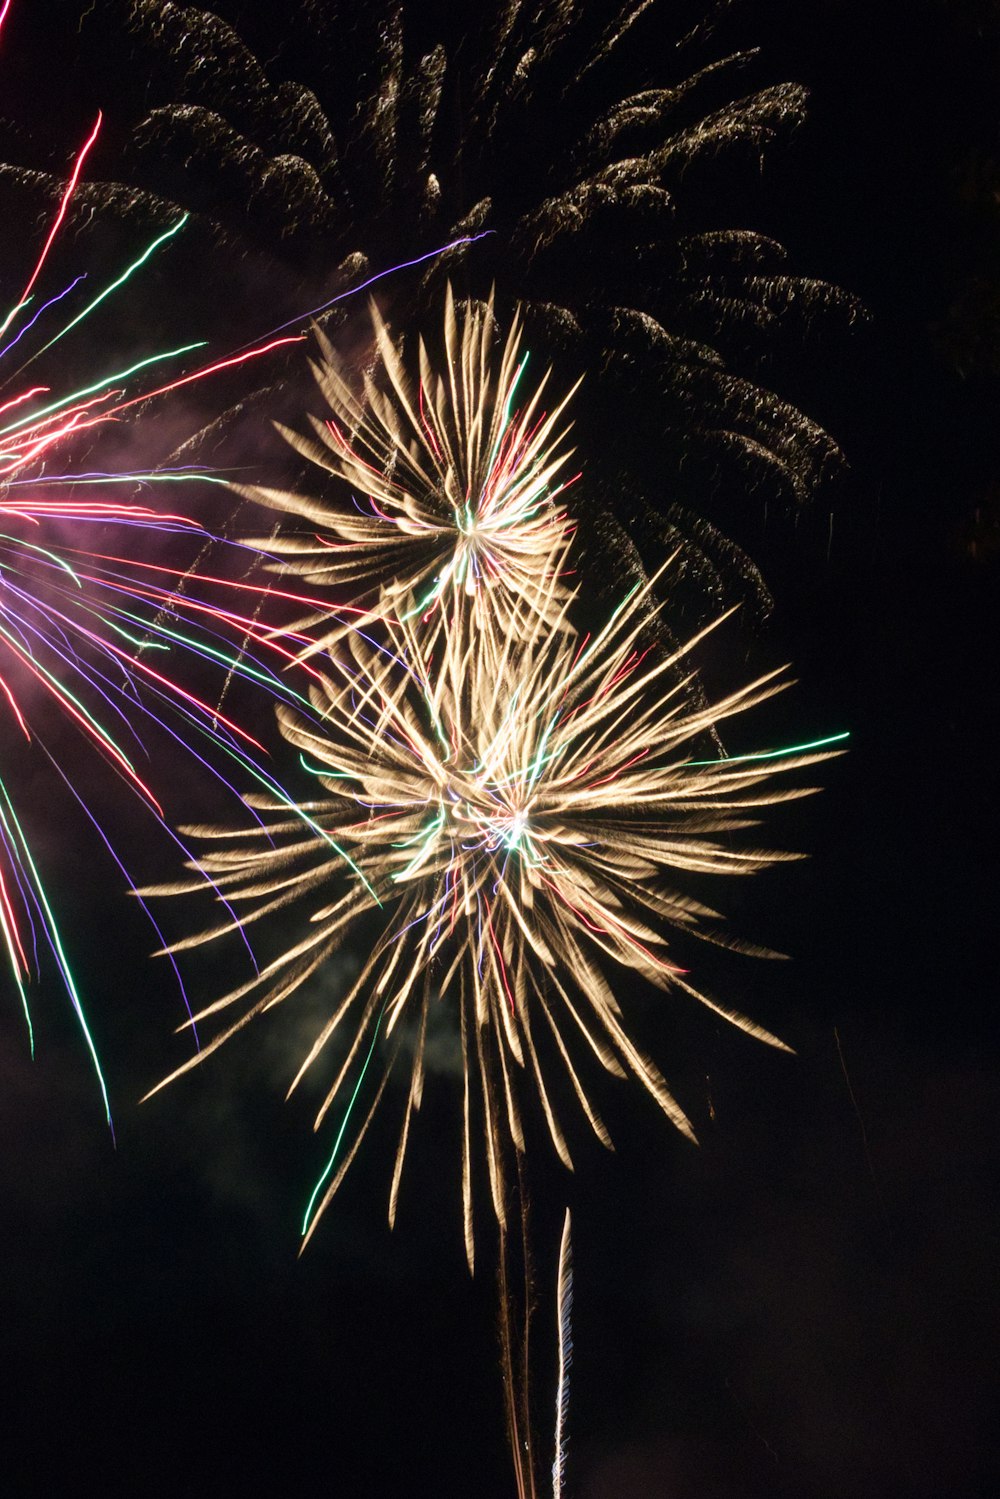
(232,663)
(541,757)
(271,785)
(12,314)
(54,938)
(625,601)
(344,1122)
(322,770)
(505,423)
(101,384)
(248,765)
(426,838)
(125,275)
(283,797)
(136,478)
(530,854)
(792,749)
(506,407)
(605,629)
(138,641)
(429,598)
(8,937)
(52,557)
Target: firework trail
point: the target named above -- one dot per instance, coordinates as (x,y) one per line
(449,492)
(564,1316)
(512,825)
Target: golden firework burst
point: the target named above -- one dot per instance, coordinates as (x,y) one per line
(446,486)
(522,829)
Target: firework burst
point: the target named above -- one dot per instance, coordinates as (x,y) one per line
(518,827)
(578,156)
(91,632)
(453,489)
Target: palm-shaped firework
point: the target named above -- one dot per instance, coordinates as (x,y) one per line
(522,146)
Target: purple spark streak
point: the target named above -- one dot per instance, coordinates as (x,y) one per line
(45,305)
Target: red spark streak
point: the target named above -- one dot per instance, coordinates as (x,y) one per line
(250,627)
(189,697)
(275,593)
(11,922)
(16,710)
(640,755)
(425,424)
(210,369)
(580,650)
(627,666)
(345,447)
(72,422)
(96,733)
(95,510)
(496,945)
(36,390)
(64,205)
(455,908)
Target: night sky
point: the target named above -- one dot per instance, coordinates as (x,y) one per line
(803,1307)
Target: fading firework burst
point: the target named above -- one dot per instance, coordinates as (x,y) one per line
(518,826)
(577,154)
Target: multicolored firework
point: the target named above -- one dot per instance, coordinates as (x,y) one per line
(452,488)
(90,630)
(513,826)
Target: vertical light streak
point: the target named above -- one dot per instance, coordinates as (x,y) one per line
(564,1316)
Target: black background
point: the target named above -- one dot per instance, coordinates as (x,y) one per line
(804,1306)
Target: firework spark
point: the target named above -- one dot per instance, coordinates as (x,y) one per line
(452,489)
(514,825)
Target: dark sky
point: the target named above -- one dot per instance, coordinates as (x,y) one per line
(805,1305)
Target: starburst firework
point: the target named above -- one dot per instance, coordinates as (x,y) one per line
(514,826)
(447,488)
